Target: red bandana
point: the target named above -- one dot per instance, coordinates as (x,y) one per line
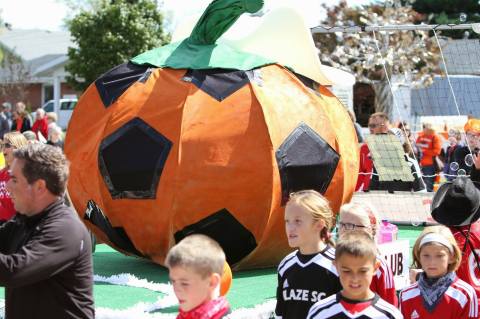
(214,309)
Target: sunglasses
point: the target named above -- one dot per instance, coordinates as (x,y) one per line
(473,136)
(373,125)
(6,145)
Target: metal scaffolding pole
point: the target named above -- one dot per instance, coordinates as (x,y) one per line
(403,27)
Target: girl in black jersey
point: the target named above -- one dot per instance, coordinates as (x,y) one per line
(307,274)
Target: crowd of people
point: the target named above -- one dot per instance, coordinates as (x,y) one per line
(430,155)
(42,128)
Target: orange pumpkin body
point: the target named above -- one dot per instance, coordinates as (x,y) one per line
(220,168)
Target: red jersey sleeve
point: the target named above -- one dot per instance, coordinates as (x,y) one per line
(383,283)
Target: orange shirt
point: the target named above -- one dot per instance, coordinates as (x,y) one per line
(430,145)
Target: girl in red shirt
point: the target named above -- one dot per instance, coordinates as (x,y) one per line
(438,293)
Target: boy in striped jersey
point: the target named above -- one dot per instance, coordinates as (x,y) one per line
(356,263)
(362,217)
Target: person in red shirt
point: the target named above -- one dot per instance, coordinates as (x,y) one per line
(378,123)
(438,293)
(457,205)
(11,141)
(430,145)
(41,125)
(360,217)
(21,121)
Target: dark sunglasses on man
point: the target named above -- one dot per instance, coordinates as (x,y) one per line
(374,125)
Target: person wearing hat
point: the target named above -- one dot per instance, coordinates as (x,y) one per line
(472,136)
(456,205)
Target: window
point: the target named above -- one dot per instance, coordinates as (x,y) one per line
(48,107)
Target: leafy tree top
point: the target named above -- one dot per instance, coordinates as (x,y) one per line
(110,35)
(449,12)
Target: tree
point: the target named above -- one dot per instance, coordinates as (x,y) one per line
(14,75)
(411,55)
(450,11)
(117,31)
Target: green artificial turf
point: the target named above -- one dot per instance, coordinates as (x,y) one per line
(409,232)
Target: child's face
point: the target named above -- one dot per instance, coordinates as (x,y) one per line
(356,275)
(190,288)
(435,260)
(302,230)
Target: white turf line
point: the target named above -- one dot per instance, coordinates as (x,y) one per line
(143,310)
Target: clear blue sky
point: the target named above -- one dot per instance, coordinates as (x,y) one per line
(49,14)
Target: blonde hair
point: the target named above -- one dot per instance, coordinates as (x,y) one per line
(357,244)
(447,234)
(318,206)
(365,212)
(21,109)
(52,116)
(17,139)
(381,115)
(198,252)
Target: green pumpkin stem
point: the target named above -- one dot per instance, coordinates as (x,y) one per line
(219,17)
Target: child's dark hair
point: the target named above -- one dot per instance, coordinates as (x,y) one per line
(357,244)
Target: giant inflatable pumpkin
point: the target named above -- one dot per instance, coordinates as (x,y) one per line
(200,137)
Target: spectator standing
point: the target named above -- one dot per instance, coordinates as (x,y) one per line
(454,139)
(21,121)
(11,142)
(368,179)
(45,250)
(7,106)
(472,136)
(41,125)
(55,136)
(430,145)
(378,123)
(4,127)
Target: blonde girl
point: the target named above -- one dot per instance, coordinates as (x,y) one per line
(438,293)
(307,274)
(362,217)
(11,141)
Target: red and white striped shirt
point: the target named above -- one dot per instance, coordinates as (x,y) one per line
(383,283)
